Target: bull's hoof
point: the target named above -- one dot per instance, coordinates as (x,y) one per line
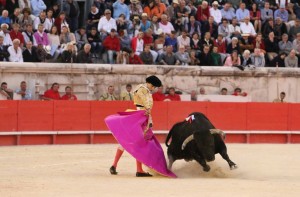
(233,167)
(206,168)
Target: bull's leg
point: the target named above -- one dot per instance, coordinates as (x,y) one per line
(225,156)
(201,161)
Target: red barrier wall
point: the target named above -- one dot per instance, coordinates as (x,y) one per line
(8,116)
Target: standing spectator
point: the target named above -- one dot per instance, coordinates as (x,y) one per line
(282,13)
(15,52)
(159,95)
(4,19)
(8,93)
(172,96)
(49,21)
(255,18)
(271,45)
(61,22)
(106,24)
(127,95)
(233,59)
(16,34)
(146,55)
(24,92)
(242,13)
(41,37)
(291,60)
(168,57)
(215,12)
(81,37)
(95,42)
(72,12)
(52,93)
(182,56)
(93,17)
(205,57)
(120,8)
(110,95)
(257,58)
(228,12)
(69,55)
(203,12)
(4,54)
(285,45)
(37,6)
(112,45)
(11,5)
(69,94)
(84,56)
(30,54)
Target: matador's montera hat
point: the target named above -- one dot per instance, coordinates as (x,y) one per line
(155,81)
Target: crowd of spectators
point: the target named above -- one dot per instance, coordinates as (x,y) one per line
(254,33)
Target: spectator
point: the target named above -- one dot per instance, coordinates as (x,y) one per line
(81,37)
(37,6)
(242,13)
(110,95)
(259,43)
(291,60)
(49,21)
(54,42)
(69,94)
(15,52)
(127,95)
(247,27)
(221,45)
(25,19)
(211,27)
(112,45)
(195,43)
(69,55)
(238,92)
(137,43)
(125,39)
(11,5)
(66,37)
(205,57)
(155,26)
(255,17)
(14,18)
(8,93)
(285,45)
(268,28)
(278,60)
(61,22)
(168,57)
(279,28)
(4,19)
(194,58)
(52,93)
(182,56)
(184,40)
(93,17)
(280,99)
(71,9)
(24,92)
(246,43)
(207,41)
(272,48)
(296,44)
(146,55)
(123,56)
(234,45)
(215,12)
(193,95)
(165,25)
(4,54)
(257,58)
(216,57)
(135,8)
(202,91)
(84,56)
(159,95)
(246,59)
(193,26)
(106,24)
(158,9)
(223,30)
(181,15)
(15,34)
(172,96)
(24,4)
(282,13)
(266,12)
(30,54)
(158,45)
(228,12)
(28,34)
(233,59)
(95,42)
(203,12)
(294,30)
(171,40)
(133,58)
(41,37)
(224,91)
(43,53)
(41,19)
(145,23)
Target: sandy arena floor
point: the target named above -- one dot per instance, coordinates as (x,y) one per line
(82,170)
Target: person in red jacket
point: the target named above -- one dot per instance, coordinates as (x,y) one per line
(137,43)
(15,34)
(159,95)
(172,95)
(203,12)
(133,58)
(112,44)
(238,92)
(52,93)
(69,94)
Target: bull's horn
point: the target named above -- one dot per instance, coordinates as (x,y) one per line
(218,131)
(186,141)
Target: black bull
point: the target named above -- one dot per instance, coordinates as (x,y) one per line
(196,140)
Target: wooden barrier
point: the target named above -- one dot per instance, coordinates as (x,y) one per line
(76,122)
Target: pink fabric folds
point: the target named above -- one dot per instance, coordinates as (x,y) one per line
(128,129)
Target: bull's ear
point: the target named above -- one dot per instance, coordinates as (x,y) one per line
(218,131)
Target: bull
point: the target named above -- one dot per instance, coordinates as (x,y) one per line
(196,138)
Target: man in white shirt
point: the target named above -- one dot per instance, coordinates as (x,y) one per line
(215,12)
(184,40)
(234,28)
(165,25)
(41,19)
(5,34)
(247,27)
(15,52)
(106,23)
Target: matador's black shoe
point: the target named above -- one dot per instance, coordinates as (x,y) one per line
(112,170)
(143,174)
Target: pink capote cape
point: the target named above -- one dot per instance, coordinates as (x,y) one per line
(128,129)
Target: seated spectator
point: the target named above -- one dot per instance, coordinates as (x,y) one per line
(247,27)
(5,33)
(194,58)
(205,57)
(52,93)
(66,37)
(24,4)
(127,95)
(216,57)
(28,35)
(285,45)
(242,13)
(43,53)
(123,56)
(159,95)
(80,37)
(69,55)
(30,54)
(125,39)
(294,30)
(233,59)
(72,10)
(112,44)
(4,54)
(278,60)
(224,91)
(234,45)
(25,19)
(182,56)
(168,57)
(93,17)
(137,43)
(6,92)
(266,12)
(165,25)
(158,45)
(133,58)
(215,12)
(145,23)
(282,13)
(69,94)
(224,30)
(238,92)
(106,24)
(207,41)
(110,95)
(84,55)
(269,27)
(296,44)
(24,92)
(193,95)
(203,12)
(135,8)
(193,26)
(41,19)
(280,99)
(257,58)
(259,43)
(41,37)
(95,42)
(172,96)
(120,8)
(146,55)
(158,9)
(37,6)
(15,52)
(61,21)
(122,23)
(228,12)
(4,19)
(54,42)
(221,44)
(279,28)
(246,59)
(255,17)
(184,40)
(195,43)
(49,21)
(246,43)
(271,45)
(16,34)
(291,60)
(211,27)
